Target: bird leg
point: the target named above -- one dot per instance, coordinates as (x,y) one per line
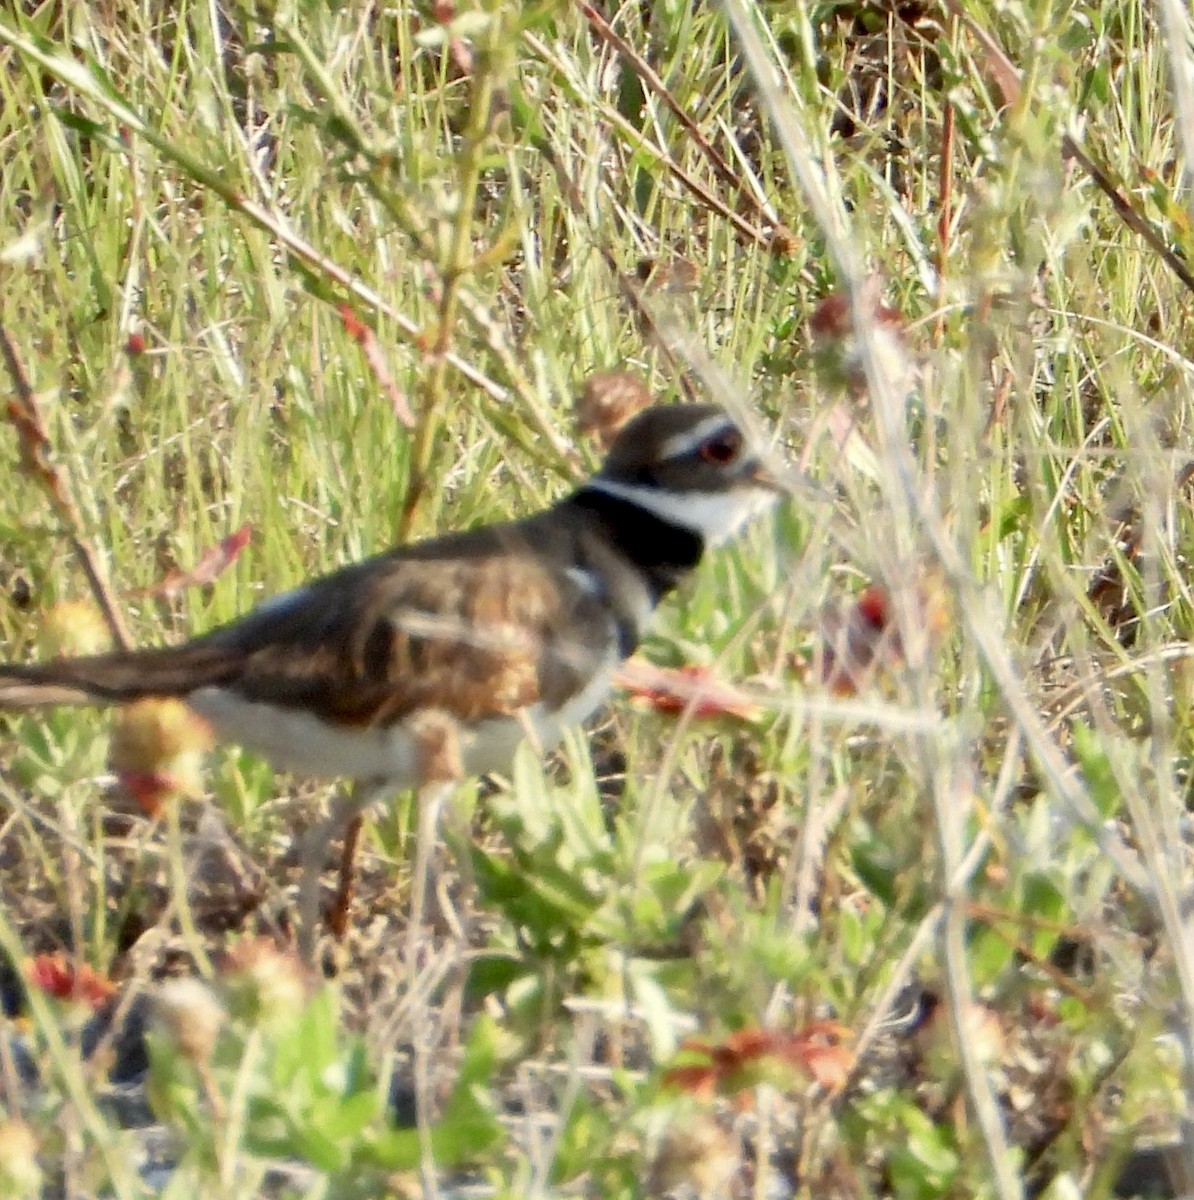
(338,913)
(430,803)
(437,734)
(345,818)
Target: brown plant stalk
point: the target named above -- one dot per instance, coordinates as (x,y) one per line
(36,447)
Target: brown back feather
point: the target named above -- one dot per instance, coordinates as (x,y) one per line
(479,625)
(476,638)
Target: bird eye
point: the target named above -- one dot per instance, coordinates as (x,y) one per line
(722,449)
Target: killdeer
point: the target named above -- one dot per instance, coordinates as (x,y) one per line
(504,632)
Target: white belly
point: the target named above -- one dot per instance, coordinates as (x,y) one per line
(298,741)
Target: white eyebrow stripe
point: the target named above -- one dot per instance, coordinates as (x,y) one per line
(686,442)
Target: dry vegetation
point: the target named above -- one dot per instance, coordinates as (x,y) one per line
(913,918)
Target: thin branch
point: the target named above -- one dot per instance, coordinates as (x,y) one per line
(77,77)
(1126,213)
(26,417)
(689,182)
(782,237)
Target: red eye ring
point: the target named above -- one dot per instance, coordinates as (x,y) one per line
(722,449)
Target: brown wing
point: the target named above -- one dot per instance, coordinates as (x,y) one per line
(474,637)
(476,624)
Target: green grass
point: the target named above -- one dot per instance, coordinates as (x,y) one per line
(1001,819)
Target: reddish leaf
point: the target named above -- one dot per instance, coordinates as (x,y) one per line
(856,642)
(818,1050)
(861,641)
(461,55)
(353,325)
(375,360)
(684,689)
(992,60)
(675,274)
(212,564)
(831,317)
(34,443)
(749,1056)
(836,345)
(149,789)
(874,607)
(699,1080)
(55,975)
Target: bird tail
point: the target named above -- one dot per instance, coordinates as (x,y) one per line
(113,678)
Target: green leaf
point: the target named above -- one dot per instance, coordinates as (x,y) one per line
(654,1005)
(537,893)
(89,129)
(393,1150)
(480,1055)
(925,1165)
(269,1128)
(1092,758)
(989,954)
(346,1118)
(491,975)
(313,1144)
(1041,897)
(873,864)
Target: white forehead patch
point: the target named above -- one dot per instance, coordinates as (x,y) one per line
(684,443)
(715,516)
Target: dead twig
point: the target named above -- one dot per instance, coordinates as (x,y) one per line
(26,418)
(1126,213)
(782,239)
(695,188)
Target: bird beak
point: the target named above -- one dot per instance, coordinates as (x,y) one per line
(765,479)
(786,481)
(759,476)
